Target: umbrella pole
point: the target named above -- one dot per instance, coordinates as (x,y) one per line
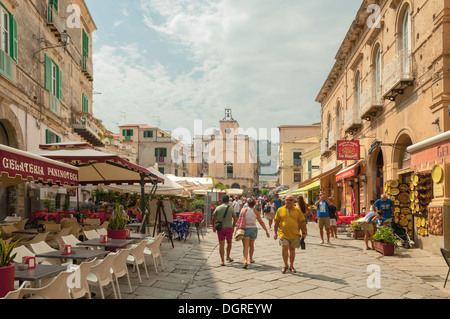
(143,201)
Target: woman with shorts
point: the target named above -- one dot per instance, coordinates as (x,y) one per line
(251,215)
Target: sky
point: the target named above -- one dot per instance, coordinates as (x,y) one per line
(178,64)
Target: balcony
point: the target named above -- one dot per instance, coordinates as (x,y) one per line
(352,121)
(397,75)
(89,128)
(371,103)
(328,143)
(6,65)
(87,68)
(55,22)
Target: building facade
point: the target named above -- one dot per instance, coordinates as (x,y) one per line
(388,89)
(46,79)
(295,140)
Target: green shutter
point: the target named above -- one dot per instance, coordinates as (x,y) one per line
(85,44)
(48,73)
(85,104)
(131,131)
(48,137)
(156,152)
(58,83)
(54,3)
(58,139)
(165,152)
(13,37)
(123,132)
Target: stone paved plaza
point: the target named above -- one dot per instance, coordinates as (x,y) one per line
(335,271)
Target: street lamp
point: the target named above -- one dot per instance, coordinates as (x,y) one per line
(65,40)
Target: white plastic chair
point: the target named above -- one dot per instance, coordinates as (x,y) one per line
(36,239)
(56,240)
(56,289)
(72,241)
(120,269)
(84,269)
(100,274)
(137,258)
(102,231)
(153,249)
(41,248)
(91,234)
(15,294)
(21,251)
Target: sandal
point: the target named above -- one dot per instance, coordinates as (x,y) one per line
(283,270)
(245,266)
(292,269)
(230,260)
(252,261)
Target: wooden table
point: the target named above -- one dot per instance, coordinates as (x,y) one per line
(38,273)
(77,254)
(112,243)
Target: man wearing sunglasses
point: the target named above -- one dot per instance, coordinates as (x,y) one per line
(289,220)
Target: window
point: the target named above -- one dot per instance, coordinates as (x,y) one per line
(51,137)
(161,170)
(297,177)
(4,30)
(297,159)
(406,30)
(160,154)
(148,134)
(85,44)
(378,75)
(338,118)
(358,95)
(127,132)
(85,104)
(230,171)
(53,77)
(53,3)
(8,33)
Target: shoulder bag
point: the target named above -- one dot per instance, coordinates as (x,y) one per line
(219,223)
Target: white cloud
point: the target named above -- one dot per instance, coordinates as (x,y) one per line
(265,59)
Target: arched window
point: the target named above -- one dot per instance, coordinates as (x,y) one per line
(357,108)
(406,30)
(377,74)
(338,118)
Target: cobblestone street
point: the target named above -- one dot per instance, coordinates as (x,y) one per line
(324,271)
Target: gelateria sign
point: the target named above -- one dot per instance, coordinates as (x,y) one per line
(17,167)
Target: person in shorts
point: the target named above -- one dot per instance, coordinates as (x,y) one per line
(323,216)
(227,231)
(333,218)
(289,220)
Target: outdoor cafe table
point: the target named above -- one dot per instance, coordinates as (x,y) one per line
(38,273)
(179,226)
(77,254)
(112,243)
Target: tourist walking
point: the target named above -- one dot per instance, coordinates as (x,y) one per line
(333,218)
(289,220)
(269,212)
(323,216)
(226,214)
(303,207)
(368,227)
(251,215)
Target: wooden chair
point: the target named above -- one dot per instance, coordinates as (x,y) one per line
(7,231)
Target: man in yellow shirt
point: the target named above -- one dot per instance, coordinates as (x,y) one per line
(289,220)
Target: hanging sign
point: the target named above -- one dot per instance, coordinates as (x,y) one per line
(348,150)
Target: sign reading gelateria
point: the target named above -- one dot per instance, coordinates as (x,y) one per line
(18,166)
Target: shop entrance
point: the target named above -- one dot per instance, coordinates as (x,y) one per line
(380,174)
(4,139)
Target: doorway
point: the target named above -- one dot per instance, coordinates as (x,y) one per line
(379,175)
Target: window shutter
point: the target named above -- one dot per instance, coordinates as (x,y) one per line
(58,139)
(48,73)
(156,152)
(85,104)
(48,137)
(59,83)
(13,37)
(85,44)
(165,152)
(123,132)
(131,132)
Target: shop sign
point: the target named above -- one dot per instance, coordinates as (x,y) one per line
(348,150)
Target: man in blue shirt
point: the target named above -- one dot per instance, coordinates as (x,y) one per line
(386,206)
(278,202)
(323,216)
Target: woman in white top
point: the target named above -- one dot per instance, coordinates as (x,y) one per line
(251,215)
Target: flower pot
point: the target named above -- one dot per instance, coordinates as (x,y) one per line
(385,249)
(6,280)
(117,234)
(358,234)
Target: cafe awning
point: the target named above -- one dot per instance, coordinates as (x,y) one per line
(17,167)
(97,167)
(319,177)
(305,189)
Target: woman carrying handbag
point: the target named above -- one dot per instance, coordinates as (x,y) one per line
(247,220)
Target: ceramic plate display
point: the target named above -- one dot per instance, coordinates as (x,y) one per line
(395,191)
(437,173)
(416,180)
(404,198)
(403,188)
(394,183)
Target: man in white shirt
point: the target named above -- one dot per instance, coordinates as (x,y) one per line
(237,205)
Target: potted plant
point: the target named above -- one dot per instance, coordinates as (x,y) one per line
(385,241)
(357,230)
(7,267)
(117,223)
